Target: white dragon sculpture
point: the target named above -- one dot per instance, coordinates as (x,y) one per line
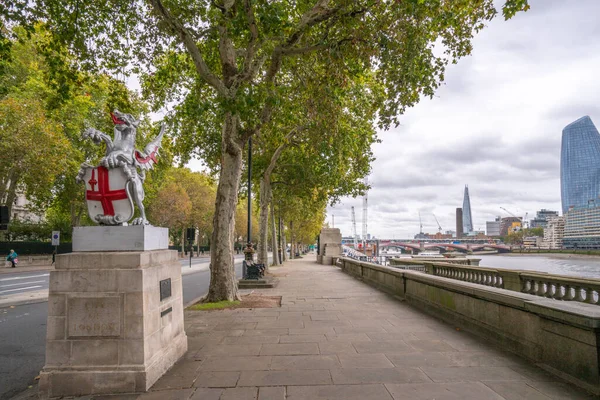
(121,153)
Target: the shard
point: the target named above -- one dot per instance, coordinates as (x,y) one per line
(579,164)
(467,218)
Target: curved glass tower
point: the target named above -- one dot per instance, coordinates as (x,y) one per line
(466,213)
(579,164)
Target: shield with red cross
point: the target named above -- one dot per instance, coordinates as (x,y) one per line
(106,197)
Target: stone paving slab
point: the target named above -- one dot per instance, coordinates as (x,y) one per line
(337,338)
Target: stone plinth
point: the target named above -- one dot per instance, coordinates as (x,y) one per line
(330,245)
(115,322)
(120,238)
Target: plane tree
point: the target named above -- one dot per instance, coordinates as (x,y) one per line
(236,49)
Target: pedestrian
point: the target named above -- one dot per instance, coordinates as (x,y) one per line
(12,257)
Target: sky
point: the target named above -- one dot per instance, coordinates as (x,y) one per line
(494,125)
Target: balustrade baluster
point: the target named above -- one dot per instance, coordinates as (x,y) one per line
(540,290)
(549,289)
(589,296)
(558,294)
(579,294)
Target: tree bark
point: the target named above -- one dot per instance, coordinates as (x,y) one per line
(283,242)
(292,253)
(263,235)
(274,234)
(223,285)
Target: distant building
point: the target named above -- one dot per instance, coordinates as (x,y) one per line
(21,211)
(451,233)
(532,242)
(509,224)
(554,233)
(467,217)
(579,164)
(459,223)
(582,227)
(492,228)
(541,217)
(421,236)
(439,235)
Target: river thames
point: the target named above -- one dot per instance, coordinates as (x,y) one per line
(562,264)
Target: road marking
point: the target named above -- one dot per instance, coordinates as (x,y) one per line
(23,277)
(25,288)
(21,284)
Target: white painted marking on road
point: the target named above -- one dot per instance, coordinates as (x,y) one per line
(25,288)
(23,277)
(21,284)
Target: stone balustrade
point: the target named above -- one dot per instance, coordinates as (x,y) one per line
(558,287)
(561,287)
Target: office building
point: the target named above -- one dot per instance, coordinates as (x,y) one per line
(510,225)
(579,164)
(466,213)
(459,223)
(582,227)
(541,217)
(492,228)
(554,233)
(532,242)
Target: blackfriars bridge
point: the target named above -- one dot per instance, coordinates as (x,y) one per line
(465,246)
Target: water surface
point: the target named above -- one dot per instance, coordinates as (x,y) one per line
(564,264)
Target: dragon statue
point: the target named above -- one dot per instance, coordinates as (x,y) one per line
(117,182)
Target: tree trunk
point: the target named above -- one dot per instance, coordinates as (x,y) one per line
(292,253)
(263,235)
(283,242)
(223,285)
(182,242)
(274,234)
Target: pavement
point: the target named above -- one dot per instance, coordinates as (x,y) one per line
(23,327)
(337,338)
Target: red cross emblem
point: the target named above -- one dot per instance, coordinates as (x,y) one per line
(104,195)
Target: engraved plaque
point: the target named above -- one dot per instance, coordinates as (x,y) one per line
(165,289)
(94,316)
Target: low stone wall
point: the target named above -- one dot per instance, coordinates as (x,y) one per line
(561,337)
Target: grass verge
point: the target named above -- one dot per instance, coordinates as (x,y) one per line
(214,306)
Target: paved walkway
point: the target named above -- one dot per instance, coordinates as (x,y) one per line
(337,338)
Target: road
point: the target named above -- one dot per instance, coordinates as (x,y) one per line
(23,328)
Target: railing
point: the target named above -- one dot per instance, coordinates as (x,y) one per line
(558,287)
(482,276)
(561,287)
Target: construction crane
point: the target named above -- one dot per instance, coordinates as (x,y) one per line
(420,224)
(511,213)
(365,207)
(354,235)
(438,222)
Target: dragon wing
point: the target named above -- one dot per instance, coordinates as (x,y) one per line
(147,158)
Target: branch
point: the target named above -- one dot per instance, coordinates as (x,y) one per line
(179,30)
(277,153)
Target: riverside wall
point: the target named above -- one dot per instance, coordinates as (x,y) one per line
(560,336)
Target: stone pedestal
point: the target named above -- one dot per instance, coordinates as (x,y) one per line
(330,245)
(115,322)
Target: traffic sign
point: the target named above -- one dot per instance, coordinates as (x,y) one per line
(55,238)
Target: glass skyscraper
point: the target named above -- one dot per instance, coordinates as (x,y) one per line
(579,164)
(466,213)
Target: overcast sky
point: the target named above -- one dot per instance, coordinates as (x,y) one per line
(495,125)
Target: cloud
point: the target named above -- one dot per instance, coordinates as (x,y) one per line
(495,124)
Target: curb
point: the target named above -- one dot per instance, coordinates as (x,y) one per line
(40,296)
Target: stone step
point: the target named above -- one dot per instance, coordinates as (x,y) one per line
(257,283)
